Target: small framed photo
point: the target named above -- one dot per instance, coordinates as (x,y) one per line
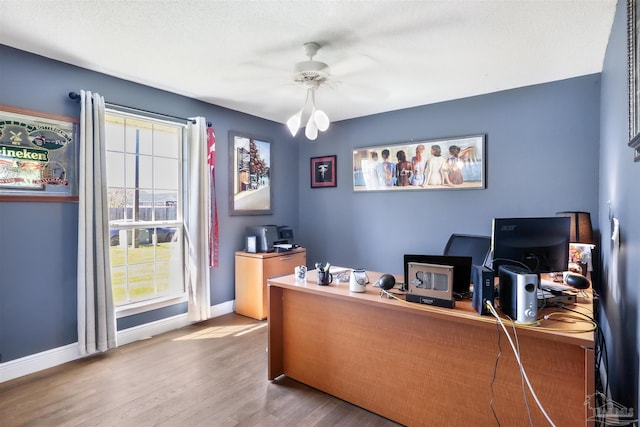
(323,172)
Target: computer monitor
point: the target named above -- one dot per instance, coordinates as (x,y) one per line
(461,270)
(541,245)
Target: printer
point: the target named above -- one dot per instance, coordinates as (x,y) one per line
(268,238)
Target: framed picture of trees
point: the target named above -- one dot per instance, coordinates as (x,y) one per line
(250,189)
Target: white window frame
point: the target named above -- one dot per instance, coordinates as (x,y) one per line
(161,301)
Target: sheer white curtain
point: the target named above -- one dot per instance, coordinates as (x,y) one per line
(96,314)
(197,222)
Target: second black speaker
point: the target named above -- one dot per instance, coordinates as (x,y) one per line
(483,288)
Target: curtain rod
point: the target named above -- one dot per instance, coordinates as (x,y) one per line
(76,97)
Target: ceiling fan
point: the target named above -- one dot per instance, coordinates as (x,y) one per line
(311,72)
(311,75)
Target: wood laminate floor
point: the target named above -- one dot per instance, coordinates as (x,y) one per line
(212,373)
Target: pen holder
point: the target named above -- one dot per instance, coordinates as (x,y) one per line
(324,277)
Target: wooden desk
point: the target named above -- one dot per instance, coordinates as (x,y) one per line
(421,365)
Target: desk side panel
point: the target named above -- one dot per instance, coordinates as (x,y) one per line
(590,385)
(250,280)
(274,345)
(277,266)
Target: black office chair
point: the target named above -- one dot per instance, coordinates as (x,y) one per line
(477,247)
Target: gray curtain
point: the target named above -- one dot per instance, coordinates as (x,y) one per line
(96,314)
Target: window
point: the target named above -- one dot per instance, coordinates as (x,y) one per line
(144,183)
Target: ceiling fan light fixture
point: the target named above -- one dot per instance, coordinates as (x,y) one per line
(294,122)
(311,74)
(311,130)
(321,119)
(317,121)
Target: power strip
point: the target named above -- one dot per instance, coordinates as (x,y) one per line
(547,298)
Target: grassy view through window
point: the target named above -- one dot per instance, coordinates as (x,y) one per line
(143,272)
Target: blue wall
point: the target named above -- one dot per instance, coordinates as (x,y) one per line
(37,277)
(619,198)
(38,248)
(542,146)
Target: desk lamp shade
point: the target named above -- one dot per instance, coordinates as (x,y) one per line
(581,230)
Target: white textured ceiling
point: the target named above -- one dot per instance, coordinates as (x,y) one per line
(384,55)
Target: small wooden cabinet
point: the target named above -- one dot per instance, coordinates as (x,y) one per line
(252,272)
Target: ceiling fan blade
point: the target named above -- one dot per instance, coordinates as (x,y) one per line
(353,64)
(356,91)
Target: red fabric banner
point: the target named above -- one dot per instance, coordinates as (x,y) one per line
(213,229)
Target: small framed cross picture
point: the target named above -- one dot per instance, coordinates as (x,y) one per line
(323,172)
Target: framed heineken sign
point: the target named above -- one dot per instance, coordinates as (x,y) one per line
(38,155)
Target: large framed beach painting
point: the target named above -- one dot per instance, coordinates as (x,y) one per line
(438,164)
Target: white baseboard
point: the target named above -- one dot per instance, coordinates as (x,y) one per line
(141,332)
(39,361)
(57,356)
(224,308)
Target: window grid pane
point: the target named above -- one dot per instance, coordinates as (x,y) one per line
(144,181)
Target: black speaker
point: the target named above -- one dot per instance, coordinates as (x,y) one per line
(483,288)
